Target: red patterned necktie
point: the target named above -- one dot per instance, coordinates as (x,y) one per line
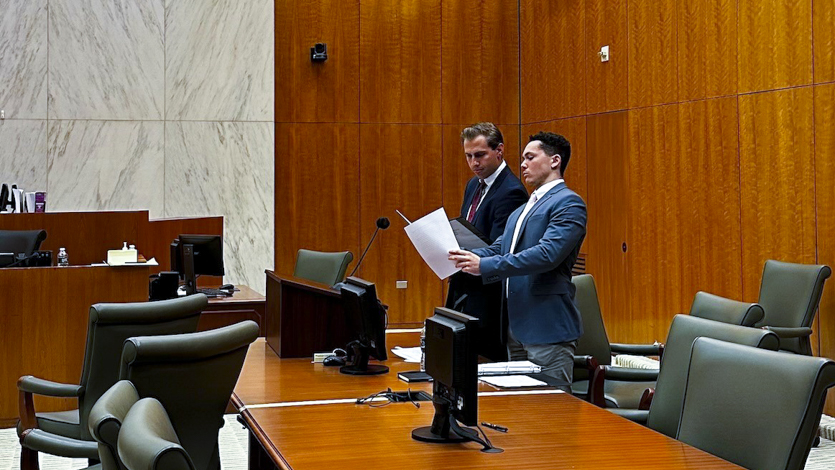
(476,199)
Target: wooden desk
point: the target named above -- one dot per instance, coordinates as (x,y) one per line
(43,323)
(245,304)
(546,430)
(266,378)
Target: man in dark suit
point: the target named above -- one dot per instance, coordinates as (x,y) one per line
(491,195)
(534,257)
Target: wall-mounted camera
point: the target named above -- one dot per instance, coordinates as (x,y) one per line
(319,52)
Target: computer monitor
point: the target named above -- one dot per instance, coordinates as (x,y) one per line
(452,361)
(194,255)
(365,319)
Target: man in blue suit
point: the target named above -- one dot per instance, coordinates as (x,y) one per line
(534,257)
(491,195)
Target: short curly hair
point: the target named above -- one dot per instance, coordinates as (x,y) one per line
(553,144)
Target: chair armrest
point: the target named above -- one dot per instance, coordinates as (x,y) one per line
(42,441)
(31,384)
(787,332)
(629,374)
(638,416)
(597,382)
(638,349)
(586,362)
(646,399)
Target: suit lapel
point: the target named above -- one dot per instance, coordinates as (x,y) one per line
(539,203)
(492,191)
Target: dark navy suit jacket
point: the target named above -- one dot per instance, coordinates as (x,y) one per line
(484,300)
(540,297)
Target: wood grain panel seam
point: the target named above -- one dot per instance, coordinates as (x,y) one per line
(739,166)
(808,85)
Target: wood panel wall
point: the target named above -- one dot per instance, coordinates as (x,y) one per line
(709,147)
(376,127)
(703,147)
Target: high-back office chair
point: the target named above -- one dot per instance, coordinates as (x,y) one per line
(759,409)
(322,267)
(108,327)
(714,307)
(618,387)
(148,440)
(595,343)
(23,242)
(790,294)
(193,375)
(106,418)
(665,410)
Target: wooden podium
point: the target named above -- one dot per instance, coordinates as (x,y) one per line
(303,317)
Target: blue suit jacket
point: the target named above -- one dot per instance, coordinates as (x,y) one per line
(540,298)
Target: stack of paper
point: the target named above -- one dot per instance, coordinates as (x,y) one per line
(508,368)
(408,354)
(512,381)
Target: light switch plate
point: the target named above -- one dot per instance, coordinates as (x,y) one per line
(402,284)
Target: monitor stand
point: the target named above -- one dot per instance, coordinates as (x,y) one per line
(188,269)
(446,430)
(360,365)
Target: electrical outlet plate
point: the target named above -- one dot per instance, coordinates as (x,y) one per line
(2,114)
(604,54)
(402,284)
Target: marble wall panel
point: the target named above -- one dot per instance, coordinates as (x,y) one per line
(226,168)
(106,59)
(219,60)
(23,154)
(106,165)
(23,58)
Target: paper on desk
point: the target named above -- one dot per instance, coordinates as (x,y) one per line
(508,368)
(433,238)
(512,381)
(408,354)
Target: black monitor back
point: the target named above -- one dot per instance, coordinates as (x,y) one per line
(452,361)
(364,315)
(208,254)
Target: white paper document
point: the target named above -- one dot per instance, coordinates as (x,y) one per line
(512,381)
(408,354)
(508,368)
(433,238)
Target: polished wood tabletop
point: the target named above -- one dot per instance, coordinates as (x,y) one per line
(546,431)
(266,379)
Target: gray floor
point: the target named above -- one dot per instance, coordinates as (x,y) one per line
(233,450)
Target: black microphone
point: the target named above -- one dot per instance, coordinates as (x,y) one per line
(382,224)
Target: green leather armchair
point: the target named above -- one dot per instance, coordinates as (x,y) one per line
(758,409)
(665,407)
(148,440)
(193,375)
(593,348)
(790,294)
(109,325)
(618,387)
(714,307)
(322,267)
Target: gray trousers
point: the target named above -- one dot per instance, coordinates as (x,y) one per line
(556,360)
